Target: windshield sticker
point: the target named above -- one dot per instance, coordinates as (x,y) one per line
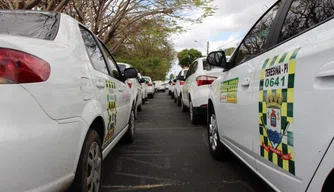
(276,98)
(111,109)
(229,91)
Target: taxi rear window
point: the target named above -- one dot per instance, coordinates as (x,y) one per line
(40,25)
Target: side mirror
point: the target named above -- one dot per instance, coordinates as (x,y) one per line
(142,81)
(217,58)
(130,73)
(154,84)
(174,80)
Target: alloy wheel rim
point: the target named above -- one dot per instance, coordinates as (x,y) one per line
(213,132)
(94,168)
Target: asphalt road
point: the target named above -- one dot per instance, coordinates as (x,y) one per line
(170,154)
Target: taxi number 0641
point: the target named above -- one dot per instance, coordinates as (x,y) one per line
(276,77)
(275,81)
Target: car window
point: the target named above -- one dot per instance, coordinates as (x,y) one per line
(111,62)
(254,42)
(192,69)
(94,51)
(36,25)
(304,14)
(121,68)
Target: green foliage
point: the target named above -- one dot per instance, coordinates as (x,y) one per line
(187,56)
(149,50)
(171,76)
(229,51)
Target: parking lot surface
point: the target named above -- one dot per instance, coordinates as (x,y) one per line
(171,154)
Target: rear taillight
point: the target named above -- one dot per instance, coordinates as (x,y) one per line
(205,80)
(149,84)
(129,82)
(19,67)
(181,82)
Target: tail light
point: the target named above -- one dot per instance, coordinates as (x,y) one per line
(204,106)
(149,84)
(205,80)
(181,82)
(129,82)
(19,67)
(173,83)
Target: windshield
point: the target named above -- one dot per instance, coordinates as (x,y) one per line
(28,24)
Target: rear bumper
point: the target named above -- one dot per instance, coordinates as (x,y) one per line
(150,90)
(199,96)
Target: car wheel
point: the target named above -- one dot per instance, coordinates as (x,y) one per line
(175,99)
(143,101)
(88,173)
(179,101)
(217,148)
(183,107)
(169,92)
(146,99)
(195,119)
(129,136)
(172,95)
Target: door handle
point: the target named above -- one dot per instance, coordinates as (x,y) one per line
(120,90)
(245,82)
(100,85)
(326,70)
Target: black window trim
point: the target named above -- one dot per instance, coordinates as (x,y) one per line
(112,57)
(280,24)
(99,44)
(268,44)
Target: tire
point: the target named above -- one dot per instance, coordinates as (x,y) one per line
(143,101)
(195,119)
(129,136)
(172,95)
(169,92)
(179,101)
(217,149)
(146,99)
(183,107)
(92,146)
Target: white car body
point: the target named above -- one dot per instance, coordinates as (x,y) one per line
(150,86)
(44,124)
(159,85)
(274,109)
(178,85)
(133,84)
(195,90)
(144,88)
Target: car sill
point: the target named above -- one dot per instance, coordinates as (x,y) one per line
(106,150)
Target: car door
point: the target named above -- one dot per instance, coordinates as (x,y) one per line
(124,95)
(189,81)
(106,87)
(237,110)
(296,90)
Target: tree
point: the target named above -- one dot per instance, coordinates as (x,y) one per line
(149,50)
(113,21)
(229,51)
(171,76)
(187,56)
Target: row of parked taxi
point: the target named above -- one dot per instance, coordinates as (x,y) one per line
(65,103)
(271,101)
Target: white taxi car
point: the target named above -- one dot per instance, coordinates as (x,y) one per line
(272,105)
(178,86)
(150,87)
(134,85)
(64,103)
(195,91)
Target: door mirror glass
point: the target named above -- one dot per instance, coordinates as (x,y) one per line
(130,73)
(217,58)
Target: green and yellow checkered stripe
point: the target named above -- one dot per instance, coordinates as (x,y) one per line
(287,145)
(111,109)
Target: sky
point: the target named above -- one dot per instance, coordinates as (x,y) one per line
(226,28)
